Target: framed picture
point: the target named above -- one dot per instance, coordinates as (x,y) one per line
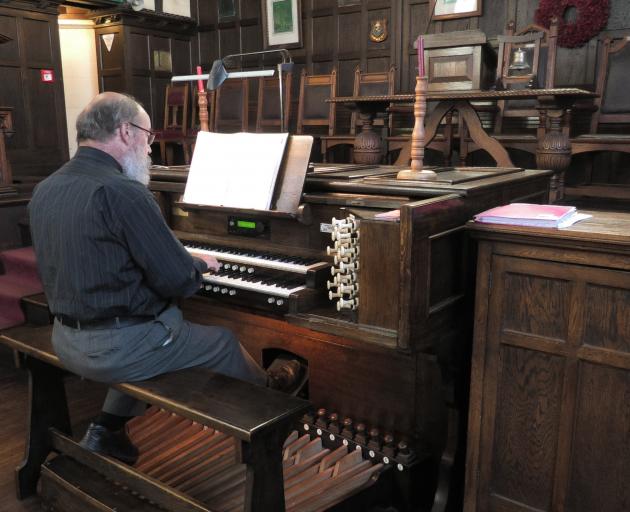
(449,9)
(282,23)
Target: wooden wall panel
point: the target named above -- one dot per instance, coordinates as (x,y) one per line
(592,484)
(531,394)
(141,90)
(40,144)
(38,33)
(9,51)
(324,30)
(139,51)
(10,87)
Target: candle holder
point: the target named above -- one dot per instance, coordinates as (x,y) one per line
(202,101)
(417,172)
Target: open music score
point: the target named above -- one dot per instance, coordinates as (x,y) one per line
(237,170)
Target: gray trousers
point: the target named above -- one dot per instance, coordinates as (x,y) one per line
(139,352)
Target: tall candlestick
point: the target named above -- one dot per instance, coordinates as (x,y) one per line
(417,171)
(420,45)
(199,82)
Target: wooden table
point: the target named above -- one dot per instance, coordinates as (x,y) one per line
(554,148)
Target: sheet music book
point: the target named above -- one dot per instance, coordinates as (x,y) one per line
(238,170)
(536,215)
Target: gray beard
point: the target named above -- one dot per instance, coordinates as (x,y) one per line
(136,167)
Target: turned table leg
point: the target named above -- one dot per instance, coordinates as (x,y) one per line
(367,143)
(554,153)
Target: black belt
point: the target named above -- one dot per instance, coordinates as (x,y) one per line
(104,323)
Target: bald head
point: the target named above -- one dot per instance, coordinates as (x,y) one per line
(104,114)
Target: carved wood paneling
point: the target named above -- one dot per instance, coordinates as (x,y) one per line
(550,370)
(531,394)
(39,144)
(130,65)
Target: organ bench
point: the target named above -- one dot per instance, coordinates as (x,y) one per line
(258,419)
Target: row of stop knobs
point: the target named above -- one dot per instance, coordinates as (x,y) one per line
(369,439)
(345,251)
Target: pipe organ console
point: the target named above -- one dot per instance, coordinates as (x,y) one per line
(368,289)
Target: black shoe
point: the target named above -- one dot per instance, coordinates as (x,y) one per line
(113,443)
(287,375)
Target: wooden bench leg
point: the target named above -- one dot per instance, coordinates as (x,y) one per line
(265,484)
(47,408)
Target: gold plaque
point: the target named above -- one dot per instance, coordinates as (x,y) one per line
(378,30)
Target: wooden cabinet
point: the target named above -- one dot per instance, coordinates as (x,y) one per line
(138,52)
(549,423)
(457,61)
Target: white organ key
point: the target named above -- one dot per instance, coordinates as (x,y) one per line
(236,282)
(230,259)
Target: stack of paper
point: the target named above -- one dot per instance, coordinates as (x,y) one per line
(537,215)
(238,170)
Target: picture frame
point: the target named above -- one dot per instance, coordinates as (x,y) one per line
(282,23)
(451,9)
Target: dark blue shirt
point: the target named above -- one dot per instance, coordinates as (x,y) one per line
(103,248)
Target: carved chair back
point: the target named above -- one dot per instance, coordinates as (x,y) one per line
(231,106)
(313,111)
(613,101)
(175,121)
(377,83)
(537,48)
(268,108)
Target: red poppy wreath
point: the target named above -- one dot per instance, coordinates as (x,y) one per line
(592,16)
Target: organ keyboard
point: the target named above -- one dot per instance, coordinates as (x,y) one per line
(262,279)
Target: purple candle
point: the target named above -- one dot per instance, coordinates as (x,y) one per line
(420,45)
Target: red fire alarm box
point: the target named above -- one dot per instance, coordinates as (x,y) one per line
(47,75)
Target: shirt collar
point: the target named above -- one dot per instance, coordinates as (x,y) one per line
(97,154)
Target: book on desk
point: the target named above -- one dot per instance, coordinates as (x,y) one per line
(534,215)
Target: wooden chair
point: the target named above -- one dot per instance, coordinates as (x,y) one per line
(377,83)
(540,47)
(518,124)
(268,107)
(231,106)
(315,116)
(175,121)
(610,123)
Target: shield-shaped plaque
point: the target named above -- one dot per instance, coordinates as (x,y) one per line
(378,30)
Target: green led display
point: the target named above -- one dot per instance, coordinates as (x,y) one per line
(247,224)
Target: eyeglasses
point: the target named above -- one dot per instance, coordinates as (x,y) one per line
(151,136)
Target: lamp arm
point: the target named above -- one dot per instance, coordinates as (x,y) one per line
(286,56)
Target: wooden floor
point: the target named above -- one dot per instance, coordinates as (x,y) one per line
(84,398)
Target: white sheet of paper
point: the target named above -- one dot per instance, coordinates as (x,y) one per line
(235,169)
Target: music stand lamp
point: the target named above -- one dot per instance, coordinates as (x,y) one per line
(219,74)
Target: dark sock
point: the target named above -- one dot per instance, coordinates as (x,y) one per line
(111,421)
